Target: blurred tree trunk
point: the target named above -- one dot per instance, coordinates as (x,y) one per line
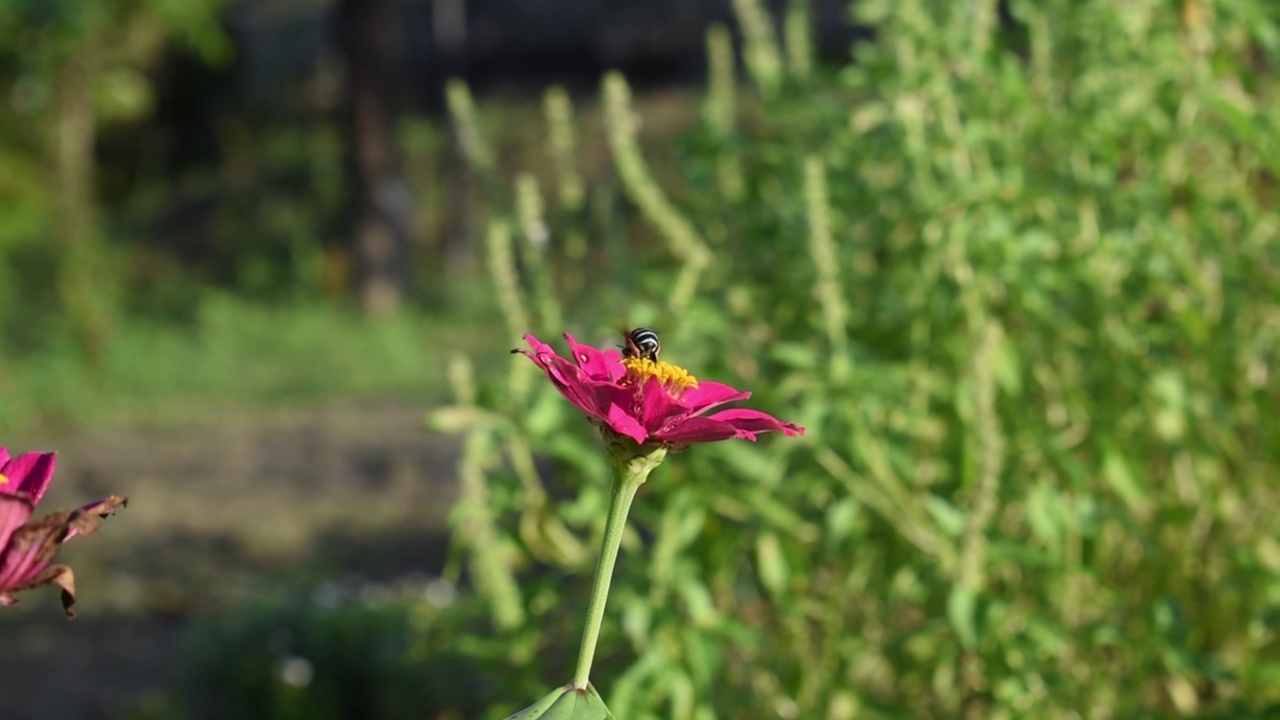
(449,33)
(459,198)
(381,206)
(81,277)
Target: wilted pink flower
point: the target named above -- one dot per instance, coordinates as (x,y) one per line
(28,546)
(647,401)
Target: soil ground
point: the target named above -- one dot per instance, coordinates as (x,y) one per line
(216,509)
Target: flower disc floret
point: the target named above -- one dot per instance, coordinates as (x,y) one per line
(673,378)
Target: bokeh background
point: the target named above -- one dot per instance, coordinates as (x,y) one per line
(1014,264)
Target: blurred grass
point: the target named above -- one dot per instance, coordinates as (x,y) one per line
(240,355)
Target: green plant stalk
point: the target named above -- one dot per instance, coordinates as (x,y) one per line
(624,491)
(683,240)
(760,45)
(631,470)
(799,41)
(475,149)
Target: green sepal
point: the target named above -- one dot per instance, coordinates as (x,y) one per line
(566,703)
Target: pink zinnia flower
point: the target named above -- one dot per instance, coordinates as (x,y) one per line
(28,546)
(647,401)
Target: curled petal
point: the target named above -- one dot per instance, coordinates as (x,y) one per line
(24,562)
(31,548)
(88,518)
(60,575)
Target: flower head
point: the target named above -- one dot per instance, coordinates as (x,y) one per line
(647,401)
(27,547)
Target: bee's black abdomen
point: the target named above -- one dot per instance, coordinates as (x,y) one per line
(642,343)
(645,339)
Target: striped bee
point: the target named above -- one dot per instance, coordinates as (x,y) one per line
(641,343)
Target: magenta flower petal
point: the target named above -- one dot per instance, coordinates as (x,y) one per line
(597,364)
(556,367)
(538,346)
(15,511)
(625,425)
(565,376)
(573,385)
(4,456)
(659,408)
(701,429)
(755,421)
(708,395)
(608,395)
(28,473)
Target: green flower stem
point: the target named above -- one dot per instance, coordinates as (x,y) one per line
(624,491)
(632,465)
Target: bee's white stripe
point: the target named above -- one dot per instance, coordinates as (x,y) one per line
(645,342)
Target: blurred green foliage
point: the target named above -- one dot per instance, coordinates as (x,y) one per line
(71,71)
(198,278)
(1018,277)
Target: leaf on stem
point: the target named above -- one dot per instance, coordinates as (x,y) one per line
(567,703)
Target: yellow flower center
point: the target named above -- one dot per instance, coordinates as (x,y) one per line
(3,480)
(674,379)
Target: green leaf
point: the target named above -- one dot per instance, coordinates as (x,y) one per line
(1006,367)
(546,414)
(540,708)
(950,518)
(1044,507)
(794,355)
(698,602)
(1120,476)
(748,462)
(566,703)
(637,622)
(842,519)
(456,419)
(772,564)
(962,607)
(580,453)
(1170,392)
